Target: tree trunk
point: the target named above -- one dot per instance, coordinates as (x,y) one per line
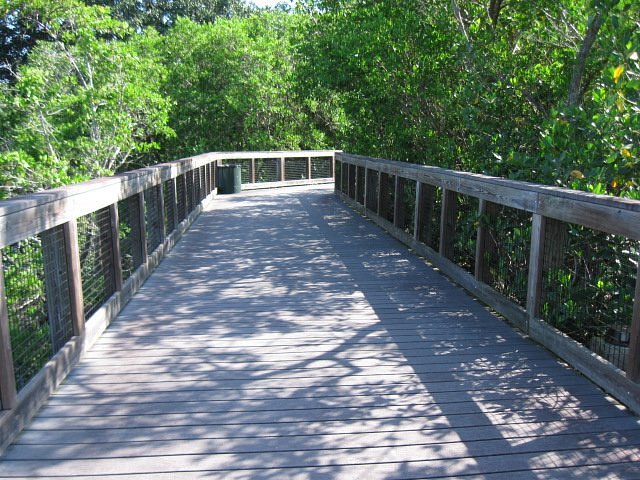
(576,90)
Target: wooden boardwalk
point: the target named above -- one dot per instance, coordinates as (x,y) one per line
(286,337)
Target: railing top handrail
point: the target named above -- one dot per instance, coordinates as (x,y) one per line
(602,212)
(26,215)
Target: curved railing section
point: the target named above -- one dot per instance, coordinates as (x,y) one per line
(72,257)
(560,264)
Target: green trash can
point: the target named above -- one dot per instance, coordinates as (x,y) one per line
(229,178)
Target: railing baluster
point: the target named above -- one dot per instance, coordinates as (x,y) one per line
(536,265)
(8,393)
(74,274)
(633,360)
(282,169)
(448,222)
(399,214)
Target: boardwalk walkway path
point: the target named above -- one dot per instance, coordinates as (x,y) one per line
(286,337)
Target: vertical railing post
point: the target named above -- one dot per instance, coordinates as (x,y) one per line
(536,265)
(485,244)
(418,211)
(282,169)
(253,170)
(115,246)
(380,194)
(8,393)
(366,183)
(633,359)
(448,223)
(332,165)
(399,214)
(74,273)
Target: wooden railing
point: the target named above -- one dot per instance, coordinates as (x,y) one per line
(560,264)
(72,258)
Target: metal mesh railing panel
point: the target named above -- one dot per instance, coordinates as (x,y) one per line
(321,167)
(153,217)
(181,198)
(351,186)
(125,232)
(372,190)
(431,207)
(588,287)
(360,185)
(170,213)
(387,196)
(407,203)
(96,259)
(506,254)
(189,180)
(466,233)
(267,170)
(295,168)
(38,301)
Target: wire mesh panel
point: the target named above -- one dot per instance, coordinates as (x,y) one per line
(203,183)
(196,187)
(372,190)
(406,202)
(351,188)
(431,210)
(38,301)
(506,248)
(295,168)
(344,178)
(387,196)
(189,191)
(125,229)
(467,221)
(153,217)
(267,170)
(96,259)
(181,197)
(170,214)
(588,287)
(360,185)
(321,167)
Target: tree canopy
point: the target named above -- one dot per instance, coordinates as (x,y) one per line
(543,91)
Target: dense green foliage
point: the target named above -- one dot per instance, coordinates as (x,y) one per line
(544,91)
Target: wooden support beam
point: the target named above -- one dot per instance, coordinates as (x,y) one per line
(8,393)
(74,274)
(633,359)
(536,266)
(448,223)
(282,169)
(115,246)
(399,214)
(380,195)
(253,170)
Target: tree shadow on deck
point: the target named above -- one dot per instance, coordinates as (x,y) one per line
(287,338)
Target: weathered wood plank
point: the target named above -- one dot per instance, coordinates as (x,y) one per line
(305,343)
